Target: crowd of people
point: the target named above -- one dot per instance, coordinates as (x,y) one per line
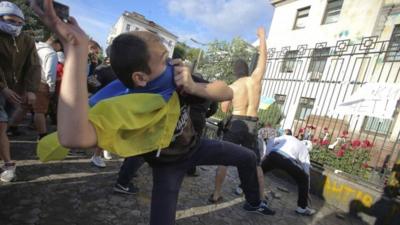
(66,71)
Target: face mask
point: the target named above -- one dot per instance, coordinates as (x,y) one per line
(163,85)
(10,29)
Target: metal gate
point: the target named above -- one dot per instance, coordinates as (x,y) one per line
(308,83)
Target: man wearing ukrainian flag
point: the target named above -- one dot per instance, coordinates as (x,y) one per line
(151,118)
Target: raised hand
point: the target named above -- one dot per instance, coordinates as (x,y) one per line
(69,33)
(261,32)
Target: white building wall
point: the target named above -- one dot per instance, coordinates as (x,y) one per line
(120,27)
(358,19)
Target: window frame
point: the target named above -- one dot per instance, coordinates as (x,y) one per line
(389,128)
(306,106)
(127,27)
(295,27)
(392,44)
(326,13)
(318,55)
(289,61)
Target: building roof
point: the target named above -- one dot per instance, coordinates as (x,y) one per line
(274,2)
(139,17)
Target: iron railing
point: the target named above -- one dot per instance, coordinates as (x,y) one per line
(308,83)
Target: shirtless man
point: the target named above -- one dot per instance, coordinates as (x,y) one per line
(245,102)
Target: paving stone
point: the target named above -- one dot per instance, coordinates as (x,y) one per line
(71,192)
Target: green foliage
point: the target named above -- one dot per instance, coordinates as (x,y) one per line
(186,52)
(344,157)
(32,22)
(218,59)
(272,115)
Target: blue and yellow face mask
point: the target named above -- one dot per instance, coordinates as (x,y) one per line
(163,85)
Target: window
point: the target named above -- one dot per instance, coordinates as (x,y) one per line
(305,107)
(393,50)
(280,101)
(332,11)
(379,125)
(318,63)
(128,28)
(301,18)
(289,61)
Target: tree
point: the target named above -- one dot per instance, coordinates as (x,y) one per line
(272,115)
(218,59)
(32,22)
(184,51)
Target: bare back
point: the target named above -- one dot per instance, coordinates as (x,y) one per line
(247,90)
(246,97)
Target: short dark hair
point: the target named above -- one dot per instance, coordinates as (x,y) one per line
(95,43)
(288,132)
(240,68)
(129,53)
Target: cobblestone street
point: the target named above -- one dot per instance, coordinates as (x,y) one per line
(74,192)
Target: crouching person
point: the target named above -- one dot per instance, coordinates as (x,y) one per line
(291,155)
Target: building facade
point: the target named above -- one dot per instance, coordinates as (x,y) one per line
(132,21)
(321,52)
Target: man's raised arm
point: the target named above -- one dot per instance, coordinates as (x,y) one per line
(74,128)
(259,71)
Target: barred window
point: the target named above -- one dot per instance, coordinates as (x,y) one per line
(393,50)
(304,109)
(318,62)
(289,61)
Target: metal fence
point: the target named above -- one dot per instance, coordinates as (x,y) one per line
(308,83)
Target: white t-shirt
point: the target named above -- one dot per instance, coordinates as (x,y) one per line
(291,148)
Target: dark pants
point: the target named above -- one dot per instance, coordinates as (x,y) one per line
(128,169)
(167,178)
(277,161)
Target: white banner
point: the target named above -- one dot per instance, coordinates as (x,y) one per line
(373,100)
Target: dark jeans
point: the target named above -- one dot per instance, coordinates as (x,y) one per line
(128,169)
(277,161)
(167,178)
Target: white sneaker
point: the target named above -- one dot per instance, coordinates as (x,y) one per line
(98,161)
(107,155)
(8,173)
(305,211)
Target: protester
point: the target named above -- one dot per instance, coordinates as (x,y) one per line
(19,75)
(47,52)
(243,122)
(267,132)
(140,61)
(291,155)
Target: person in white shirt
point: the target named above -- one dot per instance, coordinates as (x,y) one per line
(292,156)
(47,52)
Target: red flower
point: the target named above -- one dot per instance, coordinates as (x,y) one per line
(355,143)
(315,140)
(365,165)
(325,129)
(324,142)
(340,153)
(366,144)
(301,130)
(344,147)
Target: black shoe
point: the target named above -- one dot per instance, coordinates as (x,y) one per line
(261,209)
(129,190)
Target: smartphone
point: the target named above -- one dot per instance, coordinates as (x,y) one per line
(62,10)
